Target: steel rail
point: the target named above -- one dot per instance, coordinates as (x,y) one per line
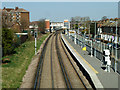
(67,80)
(72,63)
(51,62)
(40,65)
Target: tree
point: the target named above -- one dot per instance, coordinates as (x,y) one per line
(84,21)
(77,18)
(72,22)
(104,18)
(7,41)
(23,25)
(41,25)
(4,19)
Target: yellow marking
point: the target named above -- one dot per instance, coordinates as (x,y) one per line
(71,32)
(82,58)
(84,48)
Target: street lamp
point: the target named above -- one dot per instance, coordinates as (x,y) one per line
(95,39)
(116,41)
(78,28)
(116,49)
(112,40)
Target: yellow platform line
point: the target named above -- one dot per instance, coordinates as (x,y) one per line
(82,57)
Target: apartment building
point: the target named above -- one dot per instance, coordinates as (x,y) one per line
(17,19)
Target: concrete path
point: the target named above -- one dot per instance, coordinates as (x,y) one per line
(108,80)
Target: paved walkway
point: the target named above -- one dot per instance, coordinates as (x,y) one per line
(108,80)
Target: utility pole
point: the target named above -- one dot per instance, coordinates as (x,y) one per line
(100,41)
(112,40)
(95,39)
(75,37)
(89,31)
(116,49)
(78,28)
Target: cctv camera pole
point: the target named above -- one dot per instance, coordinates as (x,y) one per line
(116,49)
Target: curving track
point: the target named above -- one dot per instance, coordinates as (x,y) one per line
(57,68)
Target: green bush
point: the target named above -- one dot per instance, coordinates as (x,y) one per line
(16,41)
(29,36)
(8,40)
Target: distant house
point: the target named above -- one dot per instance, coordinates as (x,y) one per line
(108,30)
(33,25)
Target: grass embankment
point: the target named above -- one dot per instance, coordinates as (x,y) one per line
(13,72)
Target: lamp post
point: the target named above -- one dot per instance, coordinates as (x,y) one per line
(112,40)
(95,40)
(78,28)
(75,36)
(116,49)
(89,31)
(101,38)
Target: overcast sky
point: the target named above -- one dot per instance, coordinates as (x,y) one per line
(58,11)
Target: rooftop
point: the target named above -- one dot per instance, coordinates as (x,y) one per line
(15,10)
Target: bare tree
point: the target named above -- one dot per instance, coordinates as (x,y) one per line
(23,25)
(104,18)
(42,25)
(72,22)
(77,18)
(84,21)
(4,19)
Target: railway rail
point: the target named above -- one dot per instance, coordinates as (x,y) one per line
(67,80)
(56,68)
(68,56)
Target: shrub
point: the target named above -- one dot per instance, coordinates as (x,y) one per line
(16,41)
(29,36)
(7,41)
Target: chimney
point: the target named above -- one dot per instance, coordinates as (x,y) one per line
(16,8)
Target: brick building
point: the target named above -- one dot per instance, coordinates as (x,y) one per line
(47,23)
(17,19)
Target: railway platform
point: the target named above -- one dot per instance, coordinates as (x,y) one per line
(99,77)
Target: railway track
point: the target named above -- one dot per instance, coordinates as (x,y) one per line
(57,68)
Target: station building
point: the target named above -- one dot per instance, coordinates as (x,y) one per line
(57,25)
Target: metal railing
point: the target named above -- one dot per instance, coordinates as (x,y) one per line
(99,47)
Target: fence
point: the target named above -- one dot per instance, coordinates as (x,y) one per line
(98,47)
